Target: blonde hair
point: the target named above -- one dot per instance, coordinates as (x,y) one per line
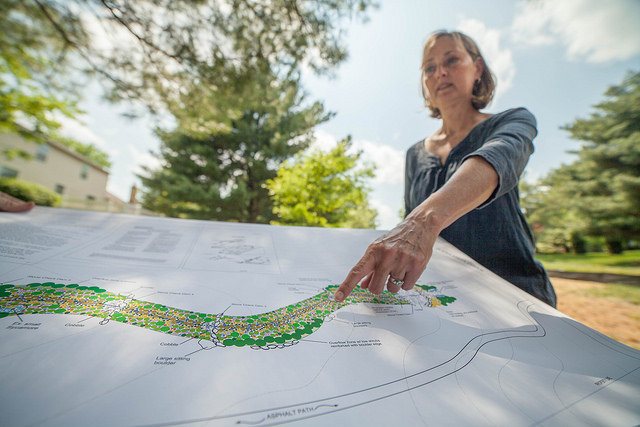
(482,91)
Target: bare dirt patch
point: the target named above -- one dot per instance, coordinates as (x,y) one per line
(614,317)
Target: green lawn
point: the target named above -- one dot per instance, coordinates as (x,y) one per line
(595,262)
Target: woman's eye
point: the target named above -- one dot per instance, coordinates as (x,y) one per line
(430,69)
(452,60)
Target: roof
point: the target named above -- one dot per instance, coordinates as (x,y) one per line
(76,155)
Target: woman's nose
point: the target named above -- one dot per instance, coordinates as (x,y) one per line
(440,70)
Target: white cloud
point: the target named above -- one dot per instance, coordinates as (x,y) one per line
(499,59)
(596,30)
(323,140)
(142,158)
(126,169)
(387,217)
(388,161)
(389,172)
(81,133)
(119,190)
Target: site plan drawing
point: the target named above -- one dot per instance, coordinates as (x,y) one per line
(123,320)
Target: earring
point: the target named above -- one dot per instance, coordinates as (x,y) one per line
(476,88)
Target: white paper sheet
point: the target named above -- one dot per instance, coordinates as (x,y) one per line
(124,320)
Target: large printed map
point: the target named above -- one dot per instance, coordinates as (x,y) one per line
(125,320)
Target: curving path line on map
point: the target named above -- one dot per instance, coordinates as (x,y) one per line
(324,406)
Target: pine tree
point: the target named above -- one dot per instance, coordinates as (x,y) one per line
(599,194)
(215,163)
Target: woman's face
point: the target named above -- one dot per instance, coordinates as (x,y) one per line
(449,73)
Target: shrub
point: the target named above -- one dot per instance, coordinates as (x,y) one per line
(29,192)
(578,243)
(614,246)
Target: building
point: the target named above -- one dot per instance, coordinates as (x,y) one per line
(55,167)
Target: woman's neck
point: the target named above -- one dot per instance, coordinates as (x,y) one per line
(457,121)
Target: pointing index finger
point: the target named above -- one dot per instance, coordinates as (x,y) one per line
(357,273)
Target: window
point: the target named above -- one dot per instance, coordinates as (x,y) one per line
(42,152)
(59,188)
(6,172)
(84,172)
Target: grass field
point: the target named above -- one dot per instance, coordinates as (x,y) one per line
(611,308)
(627,263)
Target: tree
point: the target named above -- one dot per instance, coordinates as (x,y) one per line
(323,190)
(32,82)
(184,57)
(28,96)
(551,216)
(600,192)
(215,164)
(607,173)
(240,119)
(144,50)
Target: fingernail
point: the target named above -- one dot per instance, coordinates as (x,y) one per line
(339,296)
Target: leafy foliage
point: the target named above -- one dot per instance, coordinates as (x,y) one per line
(170,42)
(33,72)
(29,192)
(228,71)
(323,190)
(598,194)
(174,50)
(26,98)
(238,105)
(215,164)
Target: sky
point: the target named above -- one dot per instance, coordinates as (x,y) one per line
(556,58)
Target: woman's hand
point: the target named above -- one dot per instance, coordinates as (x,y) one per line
(395,259)
(402,254)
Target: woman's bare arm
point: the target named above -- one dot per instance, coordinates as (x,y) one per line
(403,252)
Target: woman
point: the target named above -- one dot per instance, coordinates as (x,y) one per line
(461,182)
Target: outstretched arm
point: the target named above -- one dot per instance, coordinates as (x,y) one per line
(403,252)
